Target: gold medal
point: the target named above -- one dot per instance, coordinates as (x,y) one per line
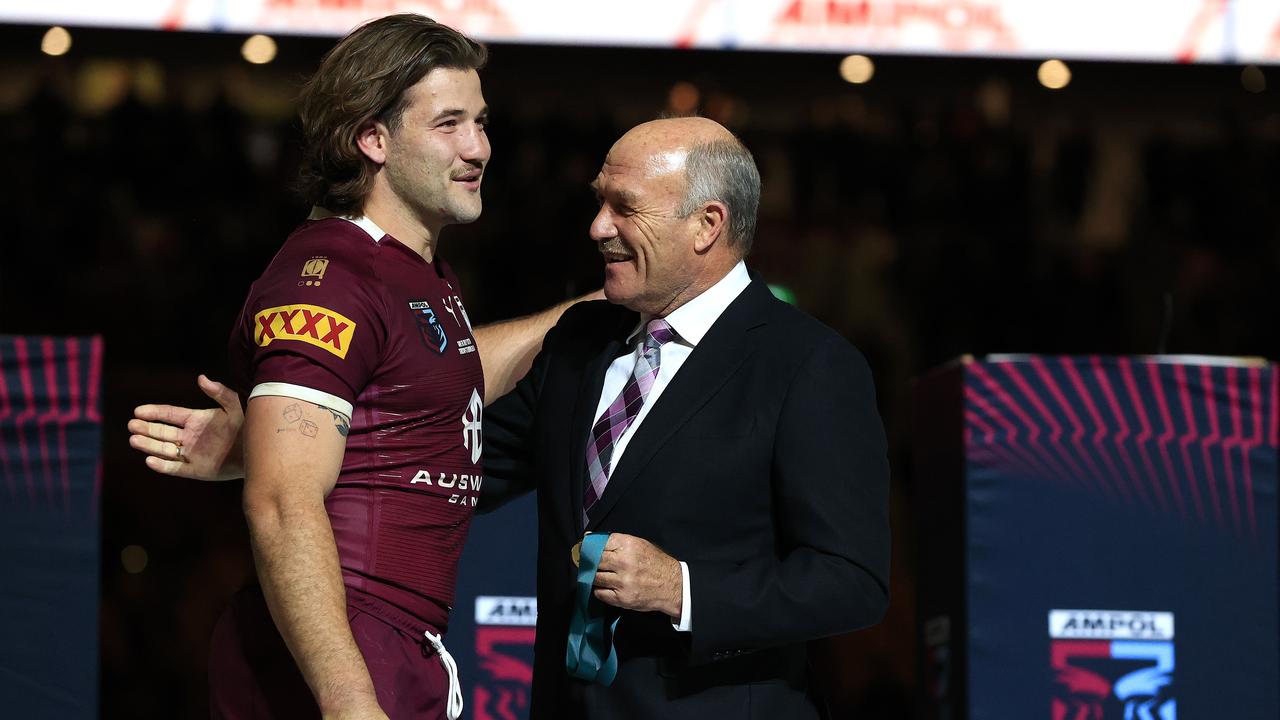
(575,552)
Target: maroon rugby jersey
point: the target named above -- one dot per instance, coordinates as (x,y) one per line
(351,319)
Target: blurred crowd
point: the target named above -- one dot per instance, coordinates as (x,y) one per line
(972,215)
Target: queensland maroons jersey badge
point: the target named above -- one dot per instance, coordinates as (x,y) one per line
(429,325)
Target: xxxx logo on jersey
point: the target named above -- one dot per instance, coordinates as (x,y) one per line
(310,324)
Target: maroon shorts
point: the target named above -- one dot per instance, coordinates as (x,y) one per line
(252,676)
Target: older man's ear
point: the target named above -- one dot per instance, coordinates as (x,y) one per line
(713,222)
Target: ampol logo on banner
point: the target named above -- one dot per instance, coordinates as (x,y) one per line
(504,656)
(1112,664)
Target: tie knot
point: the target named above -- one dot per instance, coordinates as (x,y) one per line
(658,333)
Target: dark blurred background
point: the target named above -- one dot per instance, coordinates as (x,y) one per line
(948,206)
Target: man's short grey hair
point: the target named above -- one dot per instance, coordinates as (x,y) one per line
(724,170)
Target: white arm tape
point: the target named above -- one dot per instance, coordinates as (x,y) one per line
(300,392)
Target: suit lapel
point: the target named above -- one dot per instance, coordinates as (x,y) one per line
(716,358)
(584,411)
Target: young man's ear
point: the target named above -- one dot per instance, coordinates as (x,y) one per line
(372,141)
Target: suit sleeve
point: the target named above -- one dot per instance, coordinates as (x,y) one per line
(830,484)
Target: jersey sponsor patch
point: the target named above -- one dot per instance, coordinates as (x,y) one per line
(429,325)
(310,324)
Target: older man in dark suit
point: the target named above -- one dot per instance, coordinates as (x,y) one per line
(728,442)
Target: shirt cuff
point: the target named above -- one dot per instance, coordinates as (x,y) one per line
(686,608)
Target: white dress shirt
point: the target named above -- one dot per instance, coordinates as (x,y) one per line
(691,322)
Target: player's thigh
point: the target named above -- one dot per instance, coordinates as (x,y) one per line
(410,682)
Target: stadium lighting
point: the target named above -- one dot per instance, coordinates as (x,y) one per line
(1054,74)
(56,41)
(857,69)
(134,559)
(684,98)
(259,49)
(1252,79)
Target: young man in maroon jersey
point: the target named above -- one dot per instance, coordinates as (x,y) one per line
(764,429)
(364,394)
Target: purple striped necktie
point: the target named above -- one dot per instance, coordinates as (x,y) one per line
(623,411)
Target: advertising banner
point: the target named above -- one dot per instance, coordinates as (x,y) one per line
(491,627)
(50,482)
(1100,538)
(1227,31)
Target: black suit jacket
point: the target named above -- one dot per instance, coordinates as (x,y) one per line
(762,466)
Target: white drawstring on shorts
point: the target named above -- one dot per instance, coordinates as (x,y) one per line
(454,707)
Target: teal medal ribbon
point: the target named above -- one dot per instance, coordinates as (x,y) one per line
(590,655)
